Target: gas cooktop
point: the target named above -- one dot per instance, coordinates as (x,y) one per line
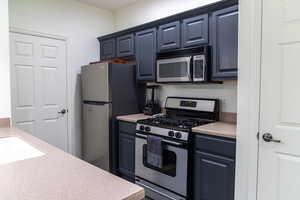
(182,114)
(175,123)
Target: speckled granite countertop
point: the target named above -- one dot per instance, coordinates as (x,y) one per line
(56,175)
(217,129)
(133,118)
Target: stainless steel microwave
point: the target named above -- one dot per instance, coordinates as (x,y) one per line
(187,68)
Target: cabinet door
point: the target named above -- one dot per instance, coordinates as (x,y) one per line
(169,36)
(225,43)
(146,54)
(213,177)
(126,154)
(125,45)
(195,31)
(107,50)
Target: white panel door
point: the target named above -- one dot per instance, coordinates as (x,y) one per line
(39,87)
(279,161)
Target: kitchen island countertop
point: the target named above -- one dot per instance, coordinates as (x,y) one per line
(56,175)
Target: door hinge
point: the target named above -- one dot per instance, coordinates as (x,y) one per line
(257,135)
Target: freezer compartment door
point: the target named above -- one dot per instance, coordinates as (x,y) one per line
(95,82)
(95,147)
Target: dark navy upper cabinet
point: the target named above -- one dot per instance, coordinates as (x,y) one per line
(168,36)
(224,35)
(108,49)
(195,31)
(213,174)
(127,150)
(146,54)
(125,45)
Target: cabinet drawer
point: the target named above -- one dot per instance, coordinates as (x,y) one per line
(215,145)
(127,127)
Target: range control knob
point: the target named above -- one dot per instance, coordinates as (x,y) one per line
(147,128)
(171,133)
(142,128)
(178,135)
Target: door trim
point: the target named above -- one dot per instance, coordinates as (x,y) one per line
(250,30)
(70,144)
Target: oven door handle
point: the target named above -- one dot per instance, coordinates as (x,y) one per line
(165,141)
(154,190)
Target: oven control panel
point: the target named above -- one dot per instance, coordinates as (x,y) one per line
(180,135)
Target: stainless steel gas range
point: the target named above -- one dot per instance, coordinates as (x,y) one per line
(167,178)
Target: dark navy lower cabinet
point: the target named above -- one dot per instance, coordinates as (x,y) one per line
(108,49)
(224,38)
(195,31)
(125,45)
(213,173)
(127,150)
(168,36)
(145,43)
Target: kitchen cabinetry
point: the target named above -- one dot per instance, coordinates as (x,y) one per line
(215,25)
(146,54)
(168,36)
(224,37)
(125,45)
(127,150)
(108,48)
(213,168)
(195,31)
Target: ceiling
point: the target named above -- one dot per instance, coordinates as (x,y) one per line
(108,4)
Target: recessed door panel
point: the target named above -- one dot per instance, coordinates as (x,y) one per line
(39,87)
(279,160)
(195,31)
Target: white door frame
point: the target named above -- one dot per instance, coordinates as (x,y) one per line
(250,22)
(69,104)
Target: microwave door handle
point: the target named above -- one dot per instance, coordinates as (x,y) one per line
(190,68)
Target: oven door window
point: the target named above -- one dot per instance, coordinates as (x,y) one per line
(172,70)
(169,162)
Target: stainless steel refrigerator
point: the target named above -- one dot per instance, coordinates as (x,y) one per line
(108,90)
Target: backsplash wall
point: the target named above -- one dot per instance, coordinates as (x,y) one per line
(226,92)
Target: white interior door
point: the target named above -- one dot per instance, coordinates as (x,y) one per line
(279,162)
(39,87)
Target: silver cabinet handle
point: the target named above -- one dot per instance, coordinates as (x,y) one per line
(268,137)
(166,141)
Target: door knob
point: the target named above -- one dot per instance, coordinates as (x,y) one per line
(268,137)
(63,111)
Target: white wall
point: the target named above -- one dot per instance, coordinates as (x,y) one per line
(81,25)
(226,92)
(144,11)
(4,62)
(148,10)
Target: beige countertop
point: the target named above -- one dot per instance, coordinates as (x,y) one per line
(56,175)
(217,129)
(133,118)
